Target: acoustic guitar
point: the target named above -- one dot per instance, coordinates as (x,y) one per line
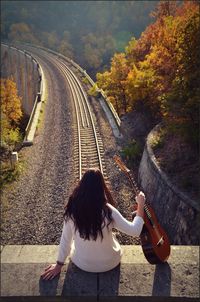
(154,240)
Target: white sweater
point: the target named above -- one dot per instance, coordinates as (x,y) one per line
(99,255)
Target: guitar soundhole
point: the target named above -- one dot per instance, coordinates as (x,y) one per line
(144,236)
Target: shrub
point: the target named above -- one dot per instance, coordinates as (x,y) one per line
(157,139)
(93,91)
(132,152)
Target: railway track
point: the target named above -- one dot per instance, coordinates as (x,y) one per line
(88,147)
(54,160)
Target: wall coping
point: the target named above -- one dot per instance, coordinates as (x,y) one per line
(22,266)
(34,116)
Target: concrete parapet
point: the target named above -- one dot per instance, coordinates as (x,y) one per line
(22,265)
(29,77)
(24,70)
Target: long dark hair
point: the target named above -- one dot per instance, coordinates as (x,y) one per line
(87,205)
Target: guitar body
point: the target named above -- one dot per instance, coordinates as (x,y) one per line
(154,240)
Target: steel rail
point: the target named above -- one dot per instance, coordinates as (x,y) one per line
(74,96)
(90,113)
(81,106)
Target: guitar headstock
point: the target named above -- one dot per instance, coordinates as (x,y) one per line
(123,168)
(120,164)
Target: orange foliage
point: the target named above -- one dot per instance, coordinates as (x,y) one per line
(159,72)
(10,101)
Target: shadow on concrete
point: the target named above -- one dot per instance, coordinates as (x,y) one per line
(108,282)
(81,283)
(162,280)
(78,282)
(48,287)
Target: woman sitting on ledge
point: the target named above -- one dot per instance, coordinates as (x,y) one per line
(87,235)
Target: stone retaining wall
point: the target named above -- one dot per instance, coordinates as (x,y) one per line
(178,214)
(25,72)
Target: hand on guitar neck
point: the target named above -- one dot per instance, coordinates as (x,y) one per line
(140,199)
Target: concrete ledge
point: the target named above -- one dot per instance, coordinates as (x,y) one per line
(43,95)
(29,99)
(110,116)
(21,267)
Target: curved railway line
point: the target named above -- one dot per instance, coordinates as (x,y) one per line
(88,145)
(69,141)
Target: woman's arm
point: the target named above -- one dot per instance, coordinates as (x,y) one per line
(64,249)
(134,227)
(65,242)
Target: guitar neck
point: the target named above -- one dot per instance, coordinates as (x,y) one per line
(133,183)
(127,172)
(134,186)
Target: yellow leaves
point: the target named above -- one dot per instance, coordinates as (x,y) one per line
(93,91)
(119,66)
(104,80)
(11,113)
(160,69)
(117,75)
(129,49)
(10,102)
(131,76)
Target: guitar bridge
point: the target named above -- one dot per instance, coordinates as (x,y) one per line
(160,242)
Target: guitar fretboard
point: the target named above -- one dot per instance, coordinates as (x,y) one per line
(136,190)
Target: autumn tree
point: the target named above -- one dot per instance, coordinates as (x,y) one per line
(65,46)
(165,8)
(97,49)
(22,32)
(45,23)
(11,112)
(113,82)
(181,105)
(159,72)
(140,89)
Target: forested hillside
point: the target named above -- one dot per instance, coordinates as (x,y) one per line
(88,31)
(158,75)
(159,72)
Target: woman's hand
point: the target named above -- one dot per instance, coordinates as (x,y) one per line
(140,199)
(51,271)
